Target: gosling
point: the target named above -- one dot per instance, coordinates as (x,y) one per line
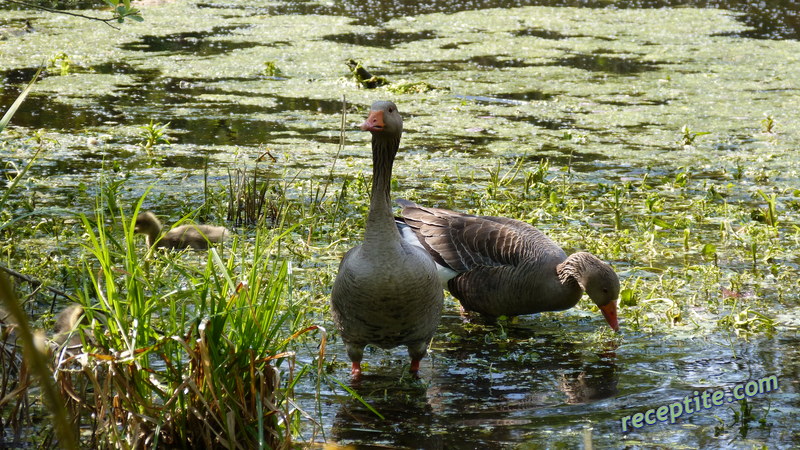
(197,237)
(67,322)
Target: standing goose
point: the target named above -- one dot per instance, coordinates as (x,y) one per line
(498,266)
(387,291)
(195,236)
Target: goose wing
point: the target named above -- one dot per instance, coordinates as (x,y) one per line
(464,242)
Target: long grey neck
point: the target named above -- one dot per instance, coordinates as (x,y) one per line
(381,228)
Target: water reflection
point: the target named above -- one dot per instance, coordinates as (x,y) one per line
(195,120)
(596,381)
(485,386)
(408,417)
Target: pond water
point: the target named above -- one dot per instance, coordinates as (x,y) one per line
(601,90)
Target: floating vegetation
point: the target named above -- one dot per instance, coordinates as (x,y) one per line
(688,136)
(271,69)
(363,77)
(412,87)
(61,63)
(154,134)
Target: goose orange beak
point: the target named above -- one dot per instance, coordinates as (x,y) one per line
(374,122)
(610,313)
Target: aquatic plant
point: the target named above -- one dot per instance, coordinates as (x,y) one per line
(153,134)
(688,136)
(770,213)
(250,197)
(271,69)
(363,77)
(61,62)
(768,124)
(412,87)
(496,180)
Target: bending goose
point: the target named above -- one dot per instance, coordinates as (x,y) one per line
(195,236)
(498,266)
(387,291)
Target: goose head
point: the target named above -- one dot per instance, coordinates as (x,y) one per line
(383,120)
(148,224)
(599,281)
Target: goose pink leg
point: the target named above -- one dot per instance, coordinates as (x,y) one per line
(356,370)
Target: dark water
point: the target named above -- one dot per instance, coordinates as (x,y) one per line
(552,381)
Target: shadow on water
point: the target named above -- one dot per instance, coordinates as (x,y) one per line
(541,33)
(195,42)
(543,122)
(605,63)
(44,112)
(526,96)
(480,62)
(386,38)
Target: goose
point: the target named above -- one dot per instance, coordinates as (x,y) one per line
(498,266)
(197,237)
(386,292)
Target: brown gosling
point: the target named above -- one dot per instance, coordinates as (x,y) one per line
(197,237)
(67,321)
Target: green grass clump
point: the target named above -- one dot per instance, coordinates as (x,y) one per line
(176,354)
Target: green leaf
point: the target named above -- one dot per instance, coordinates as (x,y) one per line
(661,223)
(709,250)
(628,297)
